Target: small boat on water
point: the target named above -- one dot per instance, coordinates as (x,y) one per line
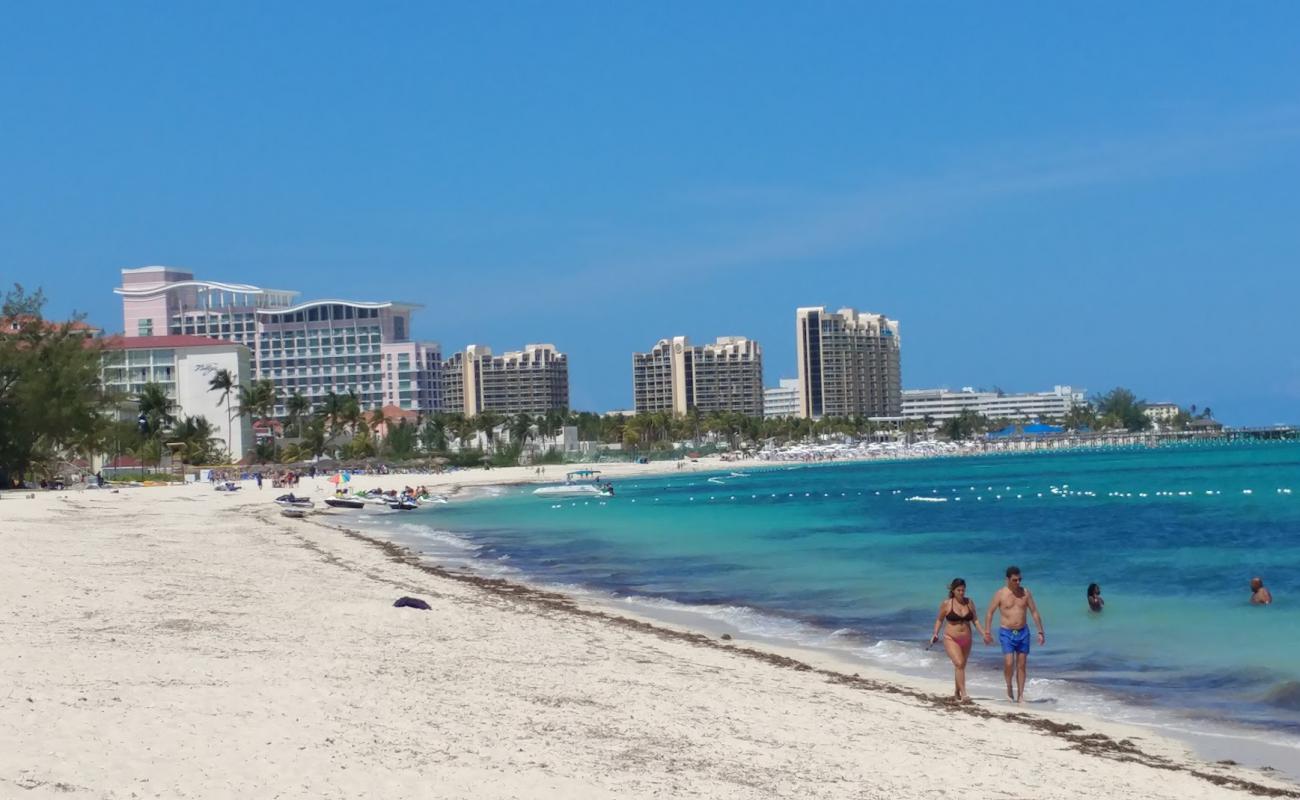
(405,504)
(572,488)
(350,503)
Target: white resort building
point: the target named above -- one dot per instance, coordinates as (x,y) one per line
(677,376)
(311,347)
(182,366)
(534,380)
(938,405)
(782,400)
(849,363)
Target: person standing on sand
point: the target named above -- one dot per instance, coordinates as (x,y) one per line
(1259,596)
(1012,602)
(959,612)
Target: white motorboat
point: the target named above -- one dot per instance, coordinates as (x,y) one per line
(572,488)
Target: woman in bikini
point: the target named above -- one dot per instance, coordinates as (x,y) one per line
(956,616)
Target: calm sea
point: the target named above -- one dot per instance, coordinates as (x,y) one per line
(839,557)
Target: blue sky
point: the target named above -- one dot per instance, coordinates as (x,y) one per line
(1104,195)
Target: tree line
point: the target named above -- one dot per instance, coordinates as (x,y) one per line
(54,406)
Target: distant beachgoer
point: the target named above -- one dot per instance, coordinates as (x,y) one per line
(99,479)
(1012,602)
(1259,596)
(1095,602)
(258,476)
(959,613)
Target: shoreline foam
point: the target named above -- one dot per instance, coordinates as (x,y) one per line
(180,642)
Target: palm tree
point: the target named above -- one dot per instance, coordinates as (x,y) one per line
(313,439)
(487,422)
(224,381)
(297,406)
(350,412)
(155,409)
(257,401)
(331,410)
(434,433)
(521,429)
(195,434)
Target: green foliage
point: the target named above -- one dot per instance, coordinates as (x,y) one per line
(400,443)
(51,400)
(200,446)
(1120,408)
(966,425)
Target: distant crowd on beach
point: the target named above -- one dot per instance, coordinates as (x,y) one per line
(1015,605)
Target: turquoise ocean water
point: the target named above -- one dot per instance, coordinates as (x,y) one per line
(838,556)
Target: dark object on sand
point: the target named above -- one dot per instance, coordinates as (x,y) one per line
(411,602)
(726,637)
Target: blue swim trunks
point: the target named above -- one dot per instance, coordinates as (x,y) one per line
(1014,641)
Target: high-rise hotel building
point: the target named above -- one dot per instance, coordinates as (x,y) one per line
(534,380)
(848,364)
(311,348)
(677,376)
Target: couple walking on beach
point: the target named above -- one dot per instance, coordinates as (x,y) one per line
(1014,604)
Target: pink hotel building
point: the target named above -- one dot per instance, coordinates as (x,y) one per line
(310,348)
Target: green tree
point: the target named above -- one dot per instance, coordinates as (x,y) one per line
(257,400)
(199,445)
(1120,408)
(224,381)
(51,399)
(433,434)
(401,440)
(314,438)
(297,406)
(156,410)
(487,422)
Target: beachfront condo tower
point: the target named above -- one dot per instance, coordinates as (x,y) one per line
(677,376)
(312,348)
(534,380)
(849,364)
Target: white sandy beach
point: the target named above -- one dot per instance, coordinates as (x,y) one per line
(182,643)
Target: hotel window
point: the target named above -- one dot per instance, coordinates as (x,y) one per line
(144,327)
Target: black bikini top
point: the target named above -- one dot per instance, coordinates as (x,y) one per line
(967,617)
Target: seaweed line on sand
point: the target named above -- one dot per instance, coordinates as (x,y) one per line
(1075,736)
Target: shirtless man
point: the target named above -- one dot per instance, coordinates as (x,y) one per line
(1011,602)
(1259,596)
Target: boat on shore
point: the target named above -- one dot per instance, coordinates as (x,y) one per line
(573,488)
(348,503)
(293,506)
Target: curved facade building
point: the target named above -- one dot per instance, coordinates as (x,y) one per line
(311,348)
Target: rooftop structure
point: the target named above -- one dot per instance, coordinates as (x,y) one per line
(534,380)
(677,376)
(938,405)
(849,363)
(312,348)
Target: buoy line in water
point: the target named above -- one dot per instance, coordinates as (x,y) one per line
(1062,491)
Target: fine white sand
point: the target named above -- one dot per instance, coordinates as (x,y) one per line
(183,643)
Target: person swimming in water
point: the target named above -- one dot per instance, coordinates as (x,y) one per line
(956,615)
(1095,603)
(1259,595)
